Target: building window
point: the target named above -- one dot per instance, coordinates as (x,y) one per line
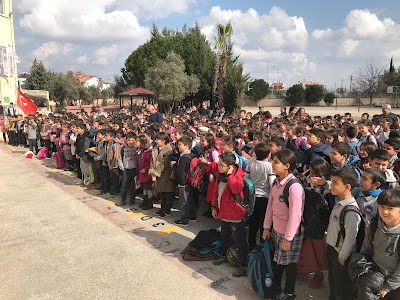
(2,7)
(6,63)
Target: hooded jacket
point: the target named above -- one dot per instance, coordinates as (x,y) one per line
(384,250)
(319,150)
(228,208)
(391,180)
(368,205)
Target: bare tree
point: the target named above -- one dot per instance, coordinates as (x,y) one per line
(367,79)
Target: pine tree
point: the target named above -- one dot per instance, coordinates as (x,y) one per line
(391,68)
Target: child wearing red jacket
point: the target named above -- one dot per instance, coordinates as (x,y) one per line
(228,178)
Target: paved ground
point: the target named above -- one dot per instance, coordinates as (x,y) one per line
(61,242)
(324,111)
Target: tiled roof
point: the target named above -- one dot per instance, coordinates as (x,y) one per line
(83,78)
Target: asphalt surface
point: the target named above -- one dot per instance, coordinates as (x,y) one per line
(59,241)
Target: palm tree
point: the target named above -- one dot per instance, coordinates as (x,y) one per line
(224,37)
(222,53)
(217,48)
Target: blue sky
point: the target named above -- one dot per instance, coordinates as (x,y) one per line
(324,41)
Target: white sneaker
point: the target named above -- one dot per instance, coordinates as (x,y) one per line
(76,180)
(79,182)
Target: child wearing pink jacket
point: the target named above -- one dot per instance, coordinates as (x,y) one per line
(282,223)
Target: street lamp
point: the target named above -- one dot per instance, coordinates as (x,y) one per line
(267,71)
(272,84)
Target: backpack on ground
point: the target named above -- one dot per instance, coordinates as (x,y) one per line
(361,228)
(316,211)
(249,196)
(206,242)
(42,154)
(259,263)
(197,175)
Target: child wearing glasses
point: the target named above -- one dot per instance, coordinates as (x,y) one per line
(228,177)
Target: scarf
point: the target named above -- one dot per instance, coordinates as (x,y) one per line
(374,193)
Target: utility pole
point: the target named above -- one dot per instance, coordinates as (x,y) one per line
(267,71)
(273,73)
(335,96)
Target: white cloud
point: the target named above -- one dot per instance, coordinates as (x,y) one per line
(156,8)
(82,59)
(105,55)
(362,36)
(275,37)
(83,21)
(52,49)
(21,41)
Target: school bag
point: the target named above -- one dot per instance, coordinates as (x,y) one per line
(355,147)
(197,174)
(361,230)
(259,263)
(232,256)
(57,160)
(316,211)
(42,154)
(206,242)
(249,196)
(241,160)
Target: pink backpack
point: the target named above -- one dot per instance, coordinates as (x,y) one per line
(298,141)
(42,154)
(57,159)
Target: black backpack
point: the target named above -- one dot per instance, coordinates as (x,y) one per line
(249,197)
(316,211)
(206,242)
(361,230)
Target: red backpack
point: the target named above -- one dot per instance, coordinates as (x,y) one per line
(197,175)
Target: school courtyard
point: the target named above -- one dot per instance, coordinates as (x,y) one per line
(62,242)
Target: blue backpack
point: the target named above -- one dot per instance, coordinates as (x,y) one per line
(207,241)
(241,160)
(259,263)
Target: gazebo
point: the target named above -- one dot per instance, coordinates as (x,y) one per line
(141,92)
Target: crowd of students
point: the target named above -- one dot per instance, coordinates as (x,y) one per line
(351,163)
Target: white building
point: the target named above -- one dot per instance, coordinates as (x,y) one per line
(91,80)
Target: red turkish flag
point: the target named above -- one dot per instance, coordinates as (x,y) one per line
(26,104)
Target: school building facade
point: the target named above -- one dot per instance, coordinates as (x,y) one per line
(8,56)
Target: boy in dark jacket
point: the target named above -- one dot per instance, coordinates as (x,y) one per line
(341,158)
(318,149)
(83,142)
(98,160)
(185,191)
(229,180)
(381,246)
